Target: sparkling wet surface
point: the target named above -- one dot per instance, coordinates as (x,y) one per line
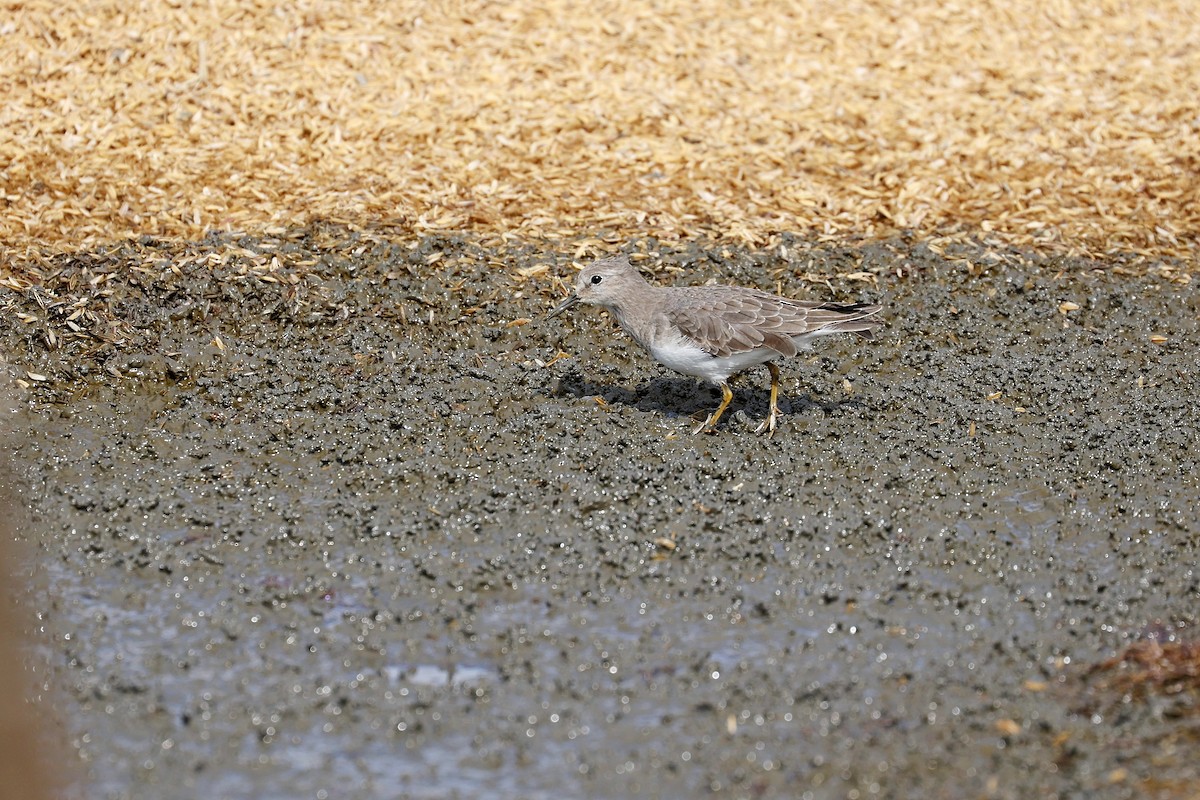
(369,552)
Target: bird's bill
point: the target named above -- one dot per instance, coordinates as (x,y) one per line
(563,306)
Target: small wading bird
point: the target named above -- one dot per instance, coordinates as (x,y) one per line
(714,332)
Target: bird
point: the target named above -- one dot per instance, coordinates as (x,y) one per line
(714,332)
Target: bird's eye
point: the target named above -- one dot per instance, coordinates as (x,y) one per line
(596,279)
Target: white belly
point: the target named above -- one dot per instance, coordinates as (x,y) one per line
(681,355)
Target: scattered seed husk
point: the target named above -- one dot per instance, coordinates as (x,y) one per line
(1018,123)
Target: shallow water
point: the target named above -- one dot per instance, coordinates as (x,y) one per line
(349,555)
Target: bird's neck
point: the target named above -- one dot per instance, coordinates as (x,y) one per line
(636,311)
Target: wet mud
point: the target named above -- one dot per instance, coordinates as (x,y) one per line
(359,531)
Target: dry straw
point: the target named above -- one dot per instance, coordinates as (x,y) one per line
(1068,125)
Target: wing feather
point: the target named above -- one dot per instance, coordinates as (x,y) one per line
(727,320)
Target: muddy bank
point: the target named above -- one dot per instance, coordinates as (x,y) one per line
(344,526)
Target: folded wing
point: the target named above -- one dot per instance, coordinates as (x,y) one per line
(723,323)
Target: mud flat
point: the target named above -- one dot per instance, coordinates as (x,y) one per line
(346,526)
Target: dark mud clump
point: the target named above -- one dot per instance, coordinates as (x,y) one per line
(325,516)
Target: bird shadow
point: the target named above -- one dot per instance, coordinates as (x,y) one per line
(675,397)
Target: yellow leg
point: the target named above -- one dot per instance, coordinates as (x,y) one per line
(710,425)
(768,424)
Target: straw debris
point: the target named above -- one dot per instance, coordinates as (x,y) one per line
(1062,126)
(1171,667)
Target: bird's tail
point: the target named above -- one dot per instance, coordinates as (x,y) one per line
(856,318)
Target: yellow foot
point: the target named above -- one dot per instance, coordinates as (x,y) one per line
(767,425)
(710,424)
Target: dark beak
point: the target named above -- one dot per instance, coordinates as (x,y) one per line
(563,306)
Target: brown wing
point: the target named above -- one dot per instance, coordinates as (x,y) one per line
(726,320)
